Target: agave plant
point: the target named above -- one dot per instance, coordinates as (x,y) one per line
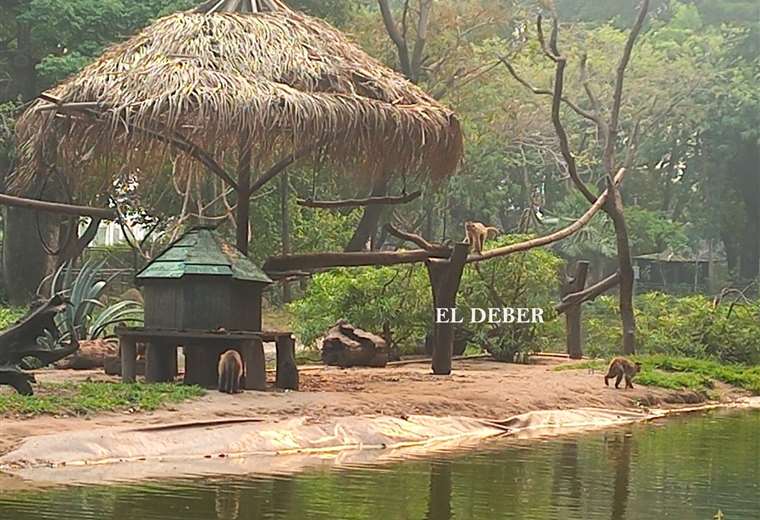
(86,317)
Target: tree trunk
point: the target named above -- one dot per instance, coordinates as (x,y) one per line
(285,228)
(25,262)
(367,226)
(243,195)
(573,323)
(625,268)
(445,276)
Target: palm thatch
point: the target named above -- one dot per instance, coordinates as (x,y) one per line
(231,75)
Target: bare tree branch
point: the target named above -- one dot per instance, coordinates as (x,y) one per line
(419,44)
(398,39)
(414,238)
(278,168)
(617,96)
(546,92)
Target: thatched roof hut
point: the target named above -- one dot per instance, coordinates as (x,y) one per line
(230,79)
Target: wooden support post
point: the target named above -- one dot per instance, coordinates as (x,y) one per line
(255,365)
(287,370)
(445,276)
(158,366)
(574,329)
(243,194)
(128,352)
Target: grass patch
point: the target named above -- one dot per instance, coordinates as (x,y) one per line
(91,397)
(596,364)
(683,373)
(741,376)
(674,381)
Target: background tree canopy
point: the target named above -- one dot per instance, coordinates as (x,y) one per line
(692,86)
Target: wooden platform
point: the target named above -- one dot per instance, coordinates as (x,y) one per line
(202,349)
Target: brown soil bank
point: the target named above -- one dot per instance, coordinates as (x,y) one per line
(476,388)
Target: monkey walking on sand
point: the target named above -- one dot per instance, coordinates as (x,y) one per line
(230,372)
(621,368)
(477,234)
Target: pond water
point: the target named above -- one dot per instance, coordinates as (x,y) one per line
(683,468)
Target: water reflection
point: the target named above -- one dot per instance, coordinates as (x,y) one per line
(620,453)
(439,500)
(686,469)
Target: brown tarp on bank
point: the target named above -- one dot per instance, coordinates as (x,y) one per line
(242,446)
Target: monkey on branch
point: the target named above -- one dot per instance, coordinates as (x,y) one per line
(477,234)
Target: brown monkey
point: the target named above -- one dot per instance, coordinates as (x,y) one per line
(230,372)
(477,234)
(619,368)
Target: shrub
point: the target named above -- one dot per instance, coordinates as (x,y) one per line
(688,326)
(527,279)
(399,298)
(371,298)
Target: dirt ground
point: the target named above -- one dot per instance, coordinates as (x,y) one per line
(476,388)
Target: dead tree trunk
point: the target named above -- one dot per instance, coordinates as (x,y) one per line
(574,330)
(445,276)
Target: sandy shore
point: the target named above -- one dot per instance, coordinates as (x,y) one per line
(476,388)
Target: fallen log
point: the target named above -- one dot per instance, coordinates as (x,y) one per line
(21,381)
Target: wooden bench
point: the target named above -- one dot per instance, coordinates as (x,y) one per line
(202,350)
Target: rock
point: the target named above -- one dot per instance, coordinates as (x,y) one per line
(346,346)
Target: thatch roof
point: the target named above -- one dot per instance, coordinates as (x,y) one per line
(233,68)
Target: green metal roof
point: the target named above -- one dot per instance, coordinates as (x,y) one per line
(201,251)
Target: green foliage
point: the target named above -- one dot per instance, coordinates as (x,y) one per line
(9,315)
(680,326)
(527,279)
(90,397)
(400,298)
(368,298)
(683,373)
(652,232)
(86,317)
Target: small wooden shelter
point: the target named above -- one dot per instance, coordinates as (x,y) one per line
(202,282)
(199,283)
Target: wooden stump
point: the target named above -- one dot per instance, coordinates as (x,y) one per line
(255,365)
(445,276)
(287,370)
(128,352)
(573,319)
(158,362)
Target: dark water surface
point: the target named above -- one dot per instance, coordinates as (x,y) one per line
(682,468)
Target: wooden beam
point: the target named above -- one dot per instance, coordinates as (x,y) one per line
(57,207)
(278,168)
(369,201)
(589,293)
(175,139)
(309,261)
